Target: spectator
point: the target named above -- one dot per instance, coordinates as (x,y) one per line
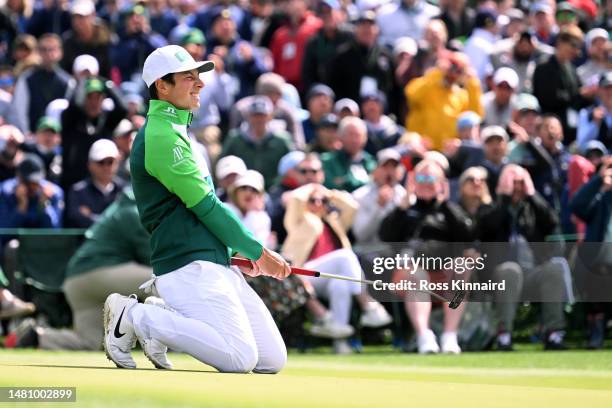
(522,55)
(13,19)
(113,258)
(383,132)
(436,100)
(51,17)
(227,170)
(29,200)
(241,18)
(88,198)
(321,48)
(516,23)
(320,102)
(431,50)
(346,107)
(404,51)
(467,151)
(498,103)
(289,42)
(555,82)
(524,126)
(136,41)
(28,102)
(317,220)
(242,60)
(543,22)
(123,137)
(163,18)
(247,201)
(47,146)
(409,221)
(479,46)
(407,18)
(379,197)
(85,121)
(256,144)
(11,139)
(495,148)
(566,15)
(598,63)
(349,168)
(25,53)
(592,205)
(6,94)
(326,135)
(458,19)
(271,85)
(595,122)
(363,65)
(295,169)
(533,270)
(89,35)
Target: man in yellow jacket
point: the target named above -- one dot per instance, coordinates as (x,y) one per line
(436,100)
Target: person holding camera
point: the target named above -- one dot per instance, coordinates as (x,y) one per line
(317,221)
(29,200)
(438,98)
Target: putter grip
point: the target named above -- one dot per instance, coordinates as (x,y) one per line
(294,270)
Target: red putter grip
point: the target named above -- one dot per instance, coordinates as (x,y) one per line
(294,270)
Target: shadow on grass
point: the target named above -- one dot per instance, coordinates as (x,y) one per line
(110,368)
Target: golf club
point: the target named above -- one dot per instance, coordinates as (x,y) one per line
(452,303)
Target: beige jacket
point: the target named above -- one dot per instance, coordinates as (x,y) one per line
(303,227)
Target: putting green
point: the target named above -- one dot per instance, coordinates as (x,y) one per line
(378,378)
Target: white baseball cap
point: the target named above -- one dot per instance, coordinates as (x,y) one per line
(86,62)
(252,179)
(507,75)
(83,8)
(102,149)
(230,165)
(171,59)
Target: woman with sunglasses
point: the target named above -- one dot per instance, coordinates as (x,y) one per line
(317,221)
(428,221)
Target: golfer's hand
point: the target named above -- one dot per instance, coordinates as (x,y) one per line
(252,270)
(272,264)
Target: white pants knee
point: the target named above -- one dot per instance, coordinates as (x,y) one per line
(342,262)
(219,320)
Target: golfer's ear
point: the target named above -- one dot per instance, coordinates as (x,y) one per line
(162,86)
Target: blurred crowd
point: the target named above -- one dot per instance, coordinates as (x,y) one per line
(331,127)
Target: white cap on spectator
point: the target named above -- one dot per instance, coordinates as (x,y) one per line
(230,165)
(493,131)
(595,34)
(250,178)
(103,149)
(405,44)
(346,103)
(507,75)
(170,59)
(386,155)
(86,62)
(83,8)
(438,158)
(125,126)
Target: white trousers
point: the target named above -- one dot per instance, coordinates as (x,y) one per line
(219,320)
(339,292)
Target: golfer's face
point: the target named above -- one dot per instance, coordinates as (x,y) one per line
(185,93)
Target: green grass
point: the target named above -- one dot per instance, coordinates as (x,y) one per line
(378,378)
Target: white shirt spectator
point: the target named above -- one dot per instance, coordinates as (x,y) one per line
(399,20)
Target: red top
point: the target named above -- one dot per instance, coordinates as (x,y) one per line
(327,242)
(288,45)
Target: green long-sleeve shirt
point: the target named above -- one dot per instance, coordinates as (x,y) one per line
(176,198)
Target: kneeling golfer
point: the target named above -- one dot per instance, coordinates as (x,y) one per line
(210,312)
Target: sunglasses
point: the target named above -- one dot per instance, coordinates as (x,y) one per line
(305,171)
(425,178)
(318,200)
(106,162)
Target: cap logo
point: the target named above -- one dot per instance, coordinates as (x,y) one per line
(181,56)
